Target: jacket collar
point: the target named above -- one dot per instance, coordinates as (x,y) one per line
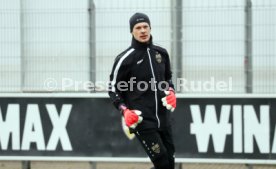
(138,45)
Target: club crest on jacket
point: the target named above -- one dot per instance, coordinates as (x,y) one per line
(158,57)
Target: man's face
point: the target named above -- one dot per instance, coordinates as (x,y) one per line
(141,32)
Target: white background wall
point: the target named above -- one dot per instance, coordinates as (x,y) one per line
(10,61)
(55,40)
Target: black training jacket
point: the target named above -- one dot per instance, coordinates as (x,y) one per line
(144,63)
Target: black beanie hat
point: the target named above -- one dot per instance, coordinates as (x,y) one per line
(137,18)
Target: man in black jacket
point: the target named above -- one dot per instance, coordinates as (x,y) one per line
(141,88)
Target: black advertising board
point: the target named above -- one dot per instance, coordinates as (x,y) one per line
(89,127)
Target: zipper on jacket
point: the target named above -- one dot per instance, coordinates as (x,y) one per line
(155,88)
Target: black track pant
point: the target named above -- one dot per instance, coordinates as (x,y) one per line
(159,146)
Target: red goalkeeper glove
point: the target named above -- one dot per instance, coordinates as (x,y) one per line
(132,117)
(169,101)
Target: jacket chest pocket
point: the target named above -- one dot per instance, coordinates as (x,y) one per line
(141,70)
(160,68)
